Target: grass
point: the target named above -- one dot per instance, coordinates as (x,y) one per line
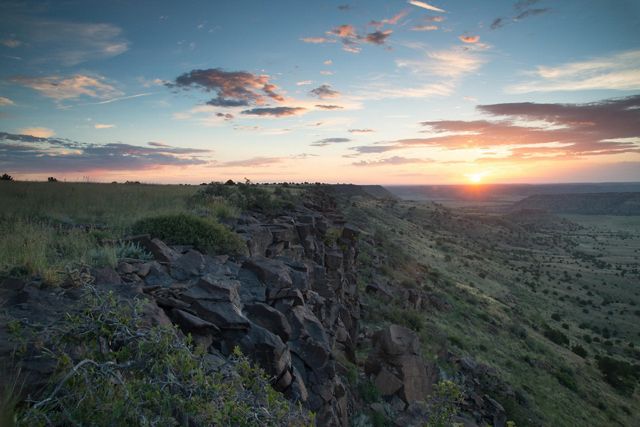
(48,228)
(504,285)
(114,370)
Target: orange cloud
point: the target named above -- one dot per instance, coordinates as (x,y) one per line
(469,39)
(38,132)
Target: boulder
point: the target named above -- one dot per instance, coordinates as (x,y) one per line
(387,383)
(161,252)
(224,315)
(190,323)
(270,319)
(106,276)
(271,272)
(268,350)
(211,289)
(188,265)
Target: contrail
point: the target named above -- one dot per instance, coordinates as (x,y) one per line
(425,6)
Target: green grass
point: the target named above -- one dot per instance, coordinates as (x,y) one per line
(48,228)
(504,284)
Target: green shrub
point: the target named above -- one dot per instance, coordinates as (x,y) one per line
(114,371)
(368,391)
(443,404)
(184,229)
(621,375)
(579,350)
(555,336)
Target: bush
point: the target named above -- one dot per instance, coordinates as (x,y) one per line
(6,177)
(619,374)
(114,371)
(556,336)
(184,229)
(579,350)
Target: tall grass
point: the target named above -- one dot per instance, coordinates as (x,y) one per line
(47,227)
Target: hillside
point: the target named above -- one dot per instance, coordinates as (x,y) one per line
(311,304)
(584,204)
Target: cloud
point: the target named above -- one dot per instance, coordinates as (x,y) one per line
(344,7)
(445,63)
(317,40)
(37,132)
(120,98)
(253,162)
(327,62)
(275,111)
(33,154)
(391,161)
(378,37)
(233,88)
(379,91)
(11,43)
(521,11)
(72,43)
(329,141)
(304,82)
(533,131)
(344,31)
(324,91)
(226,116)
(424,28)
(424,5)
(361,130)
(620,71)
(329,107)
(469,39)
(497,23)
(65,88)
(103,126)
(157,144)
(531,12)
(5,101)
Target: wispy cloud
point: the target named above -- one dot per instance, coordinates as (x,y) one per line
(103,126)
(444,63)
(72,43)
(424,28)
(361,130)
(66,88)
(252,162)
(11,43)
(424,5)
(317,40)
(275,111)
(39,154)
(329,107)
(5,101)
(529,131)
(391,161)
(620,71)
(329,141)
(324,91)
(521,9)
(38,132)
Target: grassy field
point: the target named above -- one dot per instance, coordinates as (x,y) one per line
(526,297)
(46,228)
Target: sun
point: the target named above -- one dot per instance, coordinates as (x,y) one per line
(476,178)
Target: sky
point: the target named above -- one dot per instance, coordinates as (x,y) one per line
(379,92)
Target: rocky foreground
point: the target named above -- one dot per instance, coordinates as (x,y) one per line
(291,304)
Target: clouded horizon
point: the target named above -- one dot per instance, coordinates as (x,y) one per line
(387,92)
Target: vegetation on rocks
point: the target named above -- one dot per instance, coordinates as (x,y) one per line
(115,369)
(184,229)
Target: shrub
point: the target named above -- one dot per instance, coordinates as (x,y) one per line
(6,177)
(555,336)
(579,350)
(114,371)
(184,229)
(368,391)
(619,374)
(443,404)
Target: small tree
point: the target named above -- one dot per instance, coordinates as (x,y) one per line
(6,177)
(52,179)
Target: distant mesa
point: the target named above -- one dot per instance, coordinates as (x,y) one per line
(584,204)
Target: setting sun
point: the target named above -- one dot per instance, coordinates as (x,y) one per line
(476,178)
